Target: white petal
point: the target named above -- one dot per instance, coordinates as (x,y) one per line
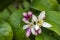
(26,21)
(33,31)
(34,18)
(36,27)
(47,25)
(41,15)
(25,27)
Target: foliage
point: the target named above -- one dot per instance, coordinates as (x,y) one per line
(11,14)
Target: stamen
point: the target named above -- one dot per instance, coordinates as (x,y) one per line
(39,22)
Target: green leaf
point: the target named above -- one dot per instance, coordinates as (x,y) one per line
(53,17)
(59,7)
(5,3)
(4,14)
(44,5)
(16,22)
(12,8)
(47,35)
(5,31)
(26,5)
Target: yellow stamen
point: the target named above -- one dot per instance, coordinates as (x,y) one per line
(39,22)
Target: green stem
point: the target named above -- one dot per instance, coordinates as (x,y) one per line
(32,37)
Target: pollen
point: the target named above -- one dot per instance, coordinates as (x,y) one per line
(39,22)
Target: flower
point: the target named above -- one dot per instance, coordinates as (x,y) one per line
(27,16)
(34,27)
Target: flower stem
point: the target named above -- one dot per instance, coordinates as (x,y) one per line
(32,37)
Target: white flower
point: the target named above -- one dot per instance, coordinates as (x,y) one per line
(34,26)
(39,20)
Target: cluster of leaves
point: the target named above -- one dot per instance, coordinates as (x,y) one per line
(11,23)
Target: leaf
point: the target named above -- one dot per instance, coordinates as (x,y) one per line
(47,35)
(26,5)
(59,7)
(16,22)
(44,5)
(5,3)
(5,31)
(12,8)
(53,17)
(4,14)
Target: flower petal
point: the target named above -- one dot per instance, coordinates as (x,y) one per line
(33,31)
(36,27)
(25,20)
(34,18)
(25,27)
(25,14)
(28,32)
(41,15)
(39,31)
(47,25)
(30,14)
